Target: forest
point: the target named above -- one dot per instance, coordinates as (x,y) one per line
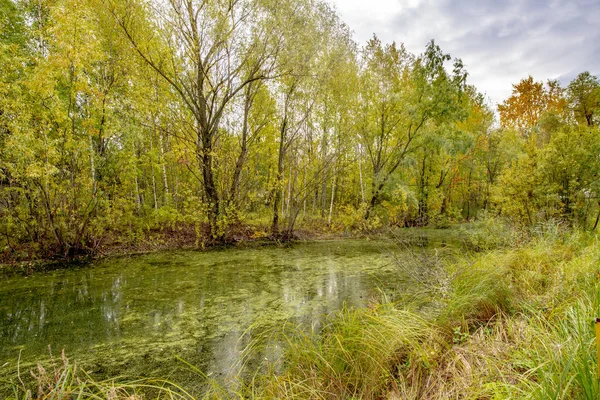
(123,121)
(407,238)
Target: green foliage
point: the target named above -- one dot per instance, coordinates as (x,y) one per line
(107,133)
(584,94)
(489,232)
(120,119)
(354,219)
(556,181)
(62,379)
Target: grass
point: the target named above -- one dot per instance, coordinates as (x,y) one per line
(512,322)
(62,379)
(356,355)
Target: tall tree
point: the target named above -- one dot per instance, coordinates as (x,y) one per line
(524,107)
(399,97)
(584,95)
(209,51)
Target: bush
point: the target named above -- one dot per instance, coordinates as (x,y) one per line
(354,219)
(490,232)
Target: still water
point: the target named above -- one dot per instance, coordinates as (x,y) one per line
(134,316)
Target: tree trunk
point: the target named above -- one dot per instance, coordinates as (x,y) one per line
(138,200)
(93,168)
(154,195)
(237,172)
(279,179)
(360,174)
(375,192)
(423,192)
(597,219)
(164,170)
(324,145)
(205,158)
(332,198)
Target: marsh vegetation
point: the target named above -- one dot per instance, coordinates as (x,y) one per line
(511,321)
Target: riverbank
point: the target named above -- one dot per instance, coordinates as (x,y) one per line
(28,259)
(184,238)
(510,323)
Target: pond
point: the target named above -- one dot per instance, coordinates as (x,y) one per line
(135,316)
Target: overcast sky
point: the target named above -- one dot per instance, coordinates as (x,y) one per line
(500,42)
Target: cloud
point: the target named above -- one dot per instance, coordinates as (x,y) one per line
(500,42)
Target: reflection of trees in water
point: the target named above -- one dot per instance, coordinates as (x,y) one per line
(199,306)
(73,313)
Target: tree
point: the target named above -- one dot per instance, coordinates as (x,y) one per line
(209,51)
(57,149)
(399,97)
(568,168)
(309,108)
(523,108)
(584,96)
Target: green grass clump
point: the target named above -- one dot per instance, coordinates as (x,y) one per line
(356,356)
(62,380)
(510,323)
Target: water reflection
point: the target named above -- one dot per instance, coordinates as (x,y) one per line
(134,315)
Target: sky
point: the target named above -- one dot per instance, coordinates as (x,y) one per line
(500,42)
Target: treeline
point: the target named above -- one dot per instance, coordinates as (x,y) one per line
(119,117)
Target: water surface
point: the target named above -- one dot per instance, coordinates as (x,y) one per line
(133,316)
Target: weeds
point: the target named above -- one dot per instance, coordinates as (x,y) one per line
(61,380)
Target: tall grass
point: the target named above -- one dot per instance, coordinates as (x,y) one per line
(61,380)
(356,356)
(515,322)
